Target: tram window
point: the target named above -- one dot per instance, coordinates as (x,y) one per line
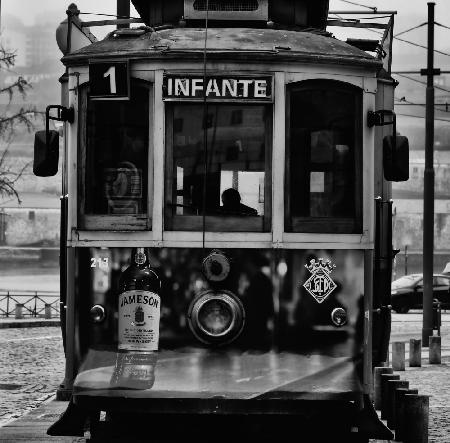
(324,161)
(116,162)
(236,194)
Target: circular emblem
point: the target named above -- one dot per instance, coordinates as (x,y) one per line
(216,266)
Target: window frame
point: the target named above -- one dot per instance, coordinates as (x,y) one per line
(326,225)
(112,222)
(217,223)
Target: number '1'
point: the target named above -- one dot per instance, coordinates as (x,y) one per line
(111,73)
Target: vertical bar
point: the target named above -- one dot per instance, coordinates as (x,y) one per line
(123,11)
(406,259)
(428,195)
(158,156)
(7,304)
(63,266)
(72,352)
(368,322)
(278,160)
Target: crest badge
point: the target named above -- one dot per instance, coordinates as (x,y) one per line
(139,319)
(320,285)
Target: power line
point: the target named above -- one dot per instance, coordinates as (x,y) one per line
(441,25)
(404,101)
(410,29)
(374,8)
(421,82)
(411,43)
(419,116)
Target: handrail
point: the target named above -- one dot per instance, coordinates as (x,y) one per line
(21,303)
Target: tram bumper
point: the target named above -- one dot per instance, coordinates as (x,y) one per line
(258,394)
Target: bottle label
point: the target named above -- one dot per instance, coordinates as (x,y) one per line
(139,313)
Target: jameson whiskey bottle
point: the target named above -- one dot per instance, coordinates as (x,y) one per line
(139,307)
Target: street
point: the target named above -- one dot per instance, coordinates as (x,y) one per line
(432,380)
(32,367)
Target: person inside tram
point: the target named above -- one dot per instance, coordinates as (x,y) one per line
(231,204)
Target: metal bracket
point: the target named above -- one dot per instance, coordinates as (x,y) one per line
(376,118)
(63,114)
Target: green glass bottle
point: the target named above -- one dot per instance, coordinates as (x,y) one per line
(139,306)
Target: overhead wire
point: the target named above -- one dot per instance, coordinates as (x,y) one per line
(410,29)
(420,116)
(421,82)
(373,8)
(404,101)
(205,129)
(441,25)
(411,43)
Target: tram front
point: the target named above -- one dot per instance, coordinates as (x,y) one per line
(229,155)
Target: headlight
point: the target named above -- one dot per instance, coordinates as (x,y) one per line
(393,292)
(216,317)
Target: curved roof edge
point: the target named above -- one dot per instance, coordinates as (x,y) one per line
(252,45)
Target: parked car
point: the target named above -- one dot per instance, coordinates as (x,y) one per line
(407,292)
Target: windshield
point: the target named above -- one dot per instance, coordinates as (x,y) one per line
(406,280)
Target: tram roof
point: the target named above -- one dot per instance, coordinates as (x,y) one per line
(237,44)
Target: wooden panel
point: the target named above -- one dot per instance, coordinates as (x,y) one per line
(218,223)
(115,222)
(338,226)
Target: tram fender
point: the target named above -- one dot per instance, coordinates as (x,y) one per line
(370,425)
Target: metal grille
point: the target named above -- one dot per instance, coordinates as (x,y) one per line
(226,5)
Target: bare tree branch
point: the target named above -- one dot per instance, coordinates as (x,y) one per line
(9,122)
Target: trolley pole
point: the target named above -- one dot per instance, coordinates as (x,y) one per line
(428,196)
(123,11)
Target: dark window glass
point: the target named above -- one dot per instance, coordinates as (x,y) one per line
(235,196)
(324,158)
(117,155)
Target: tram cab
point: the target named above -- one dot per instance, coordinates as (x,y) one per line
(233,141)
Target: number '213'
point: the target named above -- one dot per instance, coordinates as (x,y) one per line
(99,262)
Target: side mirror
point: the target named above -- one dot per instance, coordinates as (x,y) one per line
(46,153)
(396,158)
(46,143)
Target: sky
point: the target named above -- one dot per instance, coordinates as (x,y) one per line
(410,13)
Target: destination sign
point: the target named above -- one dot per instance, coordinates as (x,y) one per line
(223,88)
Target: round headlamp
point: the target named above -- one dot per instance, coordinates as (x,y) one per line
(216,317)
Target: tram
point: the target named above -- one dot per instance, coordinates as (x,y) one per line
(250,152)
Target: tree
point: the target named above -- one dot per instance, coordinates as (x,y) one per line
(12,116)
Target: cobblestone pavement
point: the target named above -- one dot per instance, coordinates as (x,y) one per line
(434,380)
(31,368)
